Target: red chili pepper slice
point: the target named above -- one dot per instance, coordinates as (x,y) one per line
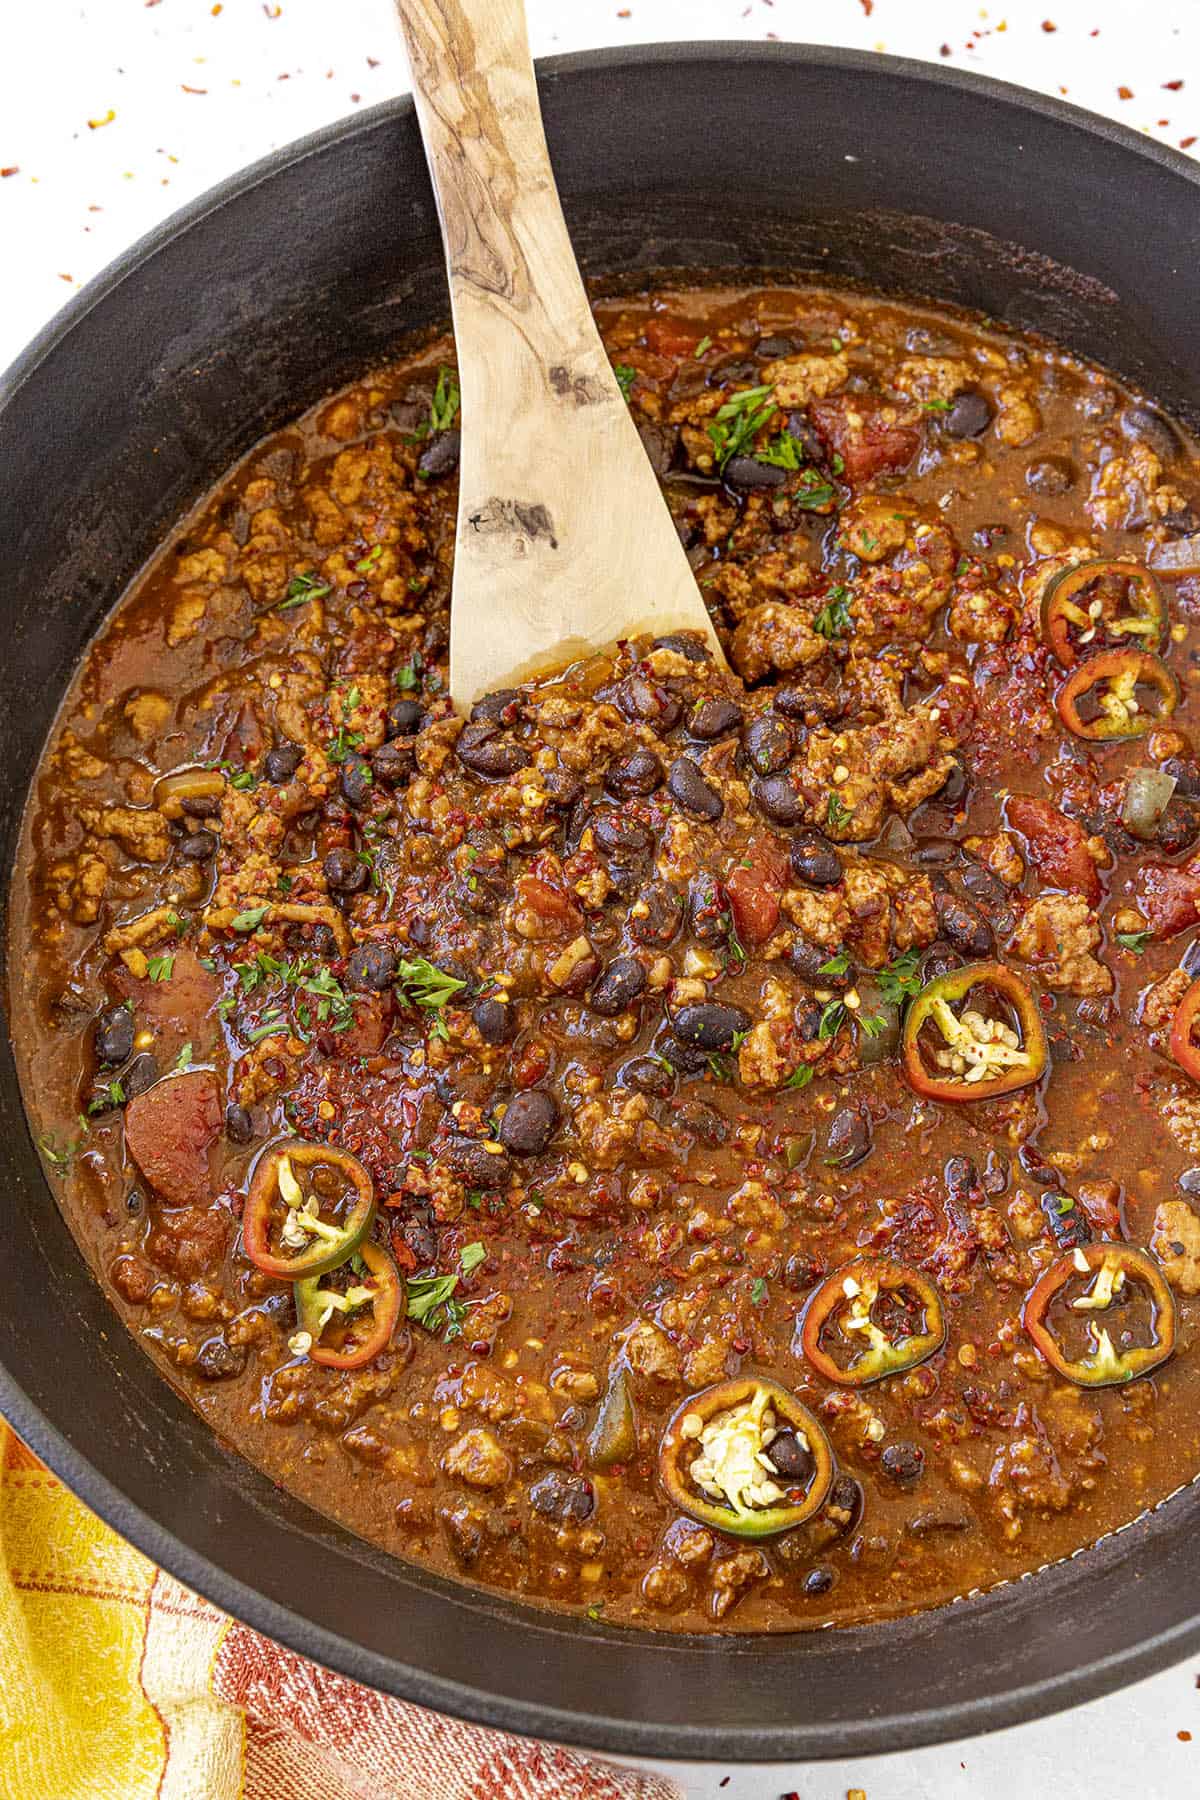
(1182,1045)
(845,1304)
(990,1063)
(1109,1272)
(1107,698)
(287,1230)
(711,1460)
(1101,605)
(359,1334)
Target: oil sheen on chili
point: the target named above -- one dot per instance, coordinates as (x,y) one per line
(707,1150)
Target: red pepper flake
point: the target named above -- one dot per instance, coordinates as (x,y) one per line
(1049,25)
(272,12)
(624,12)
(944,50)
(1173,86)
(63,277)
(13,169)
(191,90)
(217,9)
(1124,93)
(95,124)
(1185,1737)
(1186,143)
(372,62)
(868,6)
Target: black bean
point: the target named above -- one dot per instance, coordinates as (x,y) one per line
(955,786)
(746,472)
(357,782)
(634,776)
(808,961)
(647,1076)
(702,1121)
(648,703)
(964,927)
(733,369)
(239,1126)
(141,1074)
(790,1458)
(620,833)
(281,763)
(960,1176)
(114,1035)
(903,1461)
(768,742)
(371,967)
(660,443)
(926,1524)
(502,707)
(808,1022)
(481,750)
(198,846)
(440,456)
(779,798)
(345,871)
(935,852)
(529,1122)
(845,1496)
(563,788)
(818,1581)
(714,718)
(709,1025)
(404,717)
(656,916)
(686,1059)
(690,790)
(1050,475)
(814,860)
(969,415)
(218,1361)
(569,1499)
(1186,770)
(981,884)
(708,915)
(1069,1224)
(692,647)
(393,764)
(802,1271)
(850,1137)
(801,427)
(494,1020)
(1036,1166)
(201,806)
(619,986)
(1142,424)
(771,348)
(476,1166)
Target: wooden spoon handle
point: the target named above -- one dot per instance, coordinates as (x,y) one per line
(564,542)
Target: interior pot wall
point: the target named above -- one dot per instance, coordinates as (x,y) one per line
(287,286)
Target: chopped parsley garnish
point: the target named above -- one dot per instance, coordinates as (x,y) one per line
(872,1026)
(428,1293)
(935,406)
(353,698)
(59,1160)
(900,980)
(834,617)
(739,421)
(271,1026)
(800,1077)
(161,968)
(831,1020)
(300,588)
(836,812)
(625,378)
(407,677)
(704,344)
(783,452)
(244,781)
(446,400)
(421,983)
(368,561)
(470,1257)
(250,920)
(813,493)
(758,1291)
(1133,940)
(183,1061)
(837,965)
(111,1096)
(1063,1205)
(835,344)
(733,942)
(339,747)
(718,1068)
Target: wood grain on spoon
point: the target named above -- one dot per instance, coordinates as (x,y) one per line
(564,542)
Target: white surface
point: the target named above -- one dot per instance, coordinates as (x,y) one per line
(271,72)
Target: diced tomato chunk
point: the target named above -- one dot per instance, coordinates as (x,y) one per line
(1056,845)
(754,889)
(169,1131)
(1168,896)
(670,337)
(868,436)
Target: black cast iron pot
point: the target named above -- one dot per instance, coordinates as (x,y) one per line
(286,283)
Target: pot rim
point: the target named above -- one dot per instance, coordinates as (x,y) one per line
(598,1730)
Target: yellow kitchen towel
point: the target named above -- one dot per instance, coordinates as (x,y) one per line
(118,1684)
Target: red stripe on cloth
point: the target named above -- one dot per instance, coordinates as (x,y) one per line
(303,1721)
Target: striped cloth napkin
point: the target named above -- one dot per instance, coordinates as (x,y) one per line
(118,1684)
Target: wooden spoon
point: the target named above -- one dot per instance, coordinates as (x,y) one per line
(564,541)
